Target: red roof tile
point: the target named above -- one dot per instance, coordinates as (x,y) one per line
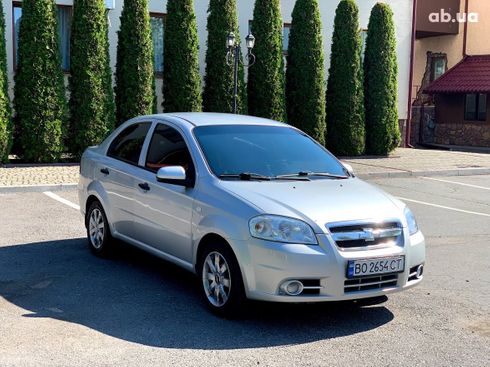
(470,75)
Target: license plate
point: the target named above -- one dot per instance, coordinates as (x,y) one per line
(364,267)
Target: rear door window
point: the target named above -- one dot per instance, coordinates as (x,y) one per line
(127,145)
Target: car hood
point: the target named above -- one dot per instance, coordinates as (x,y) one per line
(319,201)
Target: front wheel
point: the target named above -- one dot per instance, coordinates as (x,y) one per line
(221,279)
(98,232)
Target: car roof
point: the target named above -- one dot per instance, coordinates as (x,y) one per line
(211,118)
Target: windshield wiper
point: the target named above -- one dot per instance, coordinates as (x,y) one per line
(246,176)
(310,174)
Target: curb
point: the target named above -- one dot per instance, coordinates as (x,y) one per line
(36,188)
(408,174)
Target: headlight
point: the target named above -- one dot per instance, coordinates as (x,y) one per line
(412,223)
(281,229)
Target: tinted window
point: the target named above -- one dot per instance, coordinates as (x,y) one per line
(167,148)
(475,107)
(128,144)
(265,150)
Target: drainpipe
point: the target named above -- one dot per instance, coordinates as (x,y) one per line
(410,82)
(465,34)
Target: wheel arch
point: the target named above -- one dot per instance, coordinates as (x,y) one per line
(208,240)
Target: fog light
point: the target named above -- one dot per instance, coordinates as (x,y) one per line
(292,287)
(420,271)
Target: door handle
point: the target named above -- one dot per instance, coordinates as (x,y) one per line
(105,171)
(144,186)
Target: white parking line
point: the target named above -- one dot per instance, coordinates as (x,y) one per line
(445,207)
(61,200)
(457,183)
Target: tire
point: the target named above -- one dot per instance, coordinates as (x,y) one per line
(99,235)
(222,290)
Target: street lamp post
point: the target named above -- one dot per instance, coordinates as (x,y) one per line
(233,57)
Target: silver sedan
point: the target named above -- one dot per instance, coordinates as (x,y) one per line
(256,208)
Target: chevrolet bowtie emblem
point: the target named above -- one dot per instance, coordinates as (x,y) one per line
(367,234)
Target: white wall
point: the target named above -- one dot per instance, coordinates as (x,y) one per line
(401,8)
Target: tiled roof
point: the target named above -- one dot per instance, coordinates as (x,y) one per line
(471,75)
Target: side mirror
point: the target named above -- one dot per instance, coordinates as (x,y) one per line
(349,168)
(172,175)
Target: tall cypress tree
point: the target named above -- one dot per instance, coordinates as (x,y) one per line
(345,97)
(219,78)
(305,77)
(266,92)
(5,112)
(380,83)
(134,69)
(39,100)
(91,97)
(181,78)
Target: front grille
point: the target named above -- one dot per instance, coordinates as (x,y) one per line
(370,283)
(311,286)
(366,234)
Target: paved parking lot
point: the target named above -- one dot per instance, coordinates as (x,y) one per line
(61,306)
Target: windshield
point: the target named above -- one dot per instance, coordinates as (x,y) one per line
(263,150)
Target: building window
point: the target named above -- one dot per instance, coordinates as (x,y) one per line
(157,22)
(64,14)
(364,34)
(475,107)
(285,37)
(16,15)
(64,18)
(438,68)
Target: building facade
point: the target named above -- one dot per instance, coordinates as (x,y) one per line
(451,74)
(402,10)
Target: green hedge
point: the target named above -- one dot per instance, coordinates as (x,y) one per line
(39,100)
(305,77)
(91,97)
(5,111)
(345,97)
(181,78)
(219,77)
(380,85)
(266,81)
(134,68)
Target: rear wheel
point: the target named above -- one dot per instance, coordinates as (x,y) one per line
(98,232)
(221,281)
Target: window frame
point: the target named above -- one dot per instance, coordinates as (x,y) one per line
(476,117)
(18,4)
(143,146)
(163,16)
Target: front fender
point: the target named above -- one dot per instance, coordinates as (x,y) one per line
(230,228)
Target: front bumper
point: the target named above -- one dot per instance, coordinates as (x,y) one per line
(266,265)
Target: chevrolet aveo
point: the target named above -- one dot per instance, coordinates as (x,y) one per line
(256,208)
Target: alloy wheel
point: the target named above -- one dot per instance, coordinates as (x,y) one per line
(96,228)
(216,279)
